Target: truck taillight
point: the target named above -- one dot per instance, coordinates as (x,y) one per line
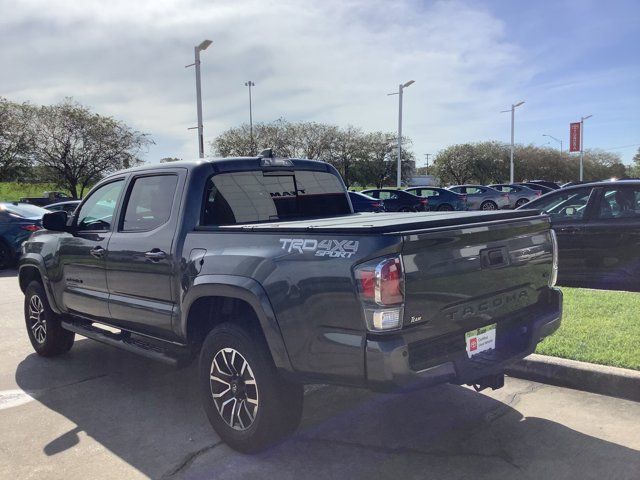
(424,201)
(389,282)
(30,228)
(366,284)
(381,284)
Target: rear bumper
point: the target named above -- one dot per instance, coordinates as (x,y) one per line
(394,363)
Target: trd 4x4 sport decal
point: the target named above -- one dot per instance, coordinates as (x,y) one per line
(322,248)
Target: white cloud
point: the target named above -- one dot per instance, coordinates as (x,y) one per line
(331,61)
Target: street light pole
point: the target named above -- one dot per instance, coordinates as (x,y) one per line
(582,119)
(513,115)
(250,84)
(401,88)
(427,155)
(197,49)
(556,139)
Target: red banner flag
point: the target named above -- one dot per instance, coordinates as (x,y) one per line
(574,137)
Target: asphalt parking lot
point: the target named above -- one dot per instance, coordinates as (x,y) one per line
(102,413)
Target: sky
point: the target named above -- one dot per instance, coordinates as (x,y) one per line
(335,62)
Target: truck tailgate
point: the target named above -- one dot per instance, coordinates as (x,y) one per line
(459,279)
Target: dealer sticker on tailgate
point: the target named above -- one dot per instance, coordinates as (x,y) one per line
(480,340)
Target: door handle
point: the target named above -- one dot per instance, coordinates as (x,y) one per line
(97,251)
(155,255)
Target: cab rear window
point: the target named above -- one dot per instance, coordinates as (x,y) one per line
(257,196)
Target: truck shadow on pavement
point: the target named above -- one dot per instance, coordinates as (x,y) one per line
(149,416)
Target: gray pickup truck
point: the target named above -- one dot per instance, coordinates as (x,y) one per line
(47,198)
(260,267)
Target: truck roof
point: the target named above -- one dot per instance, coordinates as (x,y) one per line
(231,164)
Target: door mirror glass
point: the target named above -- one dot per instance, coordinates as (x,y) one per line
(55,221)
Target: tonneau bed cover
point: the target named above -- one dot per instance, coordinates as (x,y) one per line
(370,223)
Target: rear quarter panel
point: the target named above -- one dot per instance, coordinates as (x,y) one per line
(312,292)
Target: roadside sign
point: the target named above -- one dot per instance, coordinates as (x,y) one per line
(574,137)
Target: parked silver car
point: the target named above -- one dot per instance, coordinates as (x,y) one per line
(482,198)
(518,194)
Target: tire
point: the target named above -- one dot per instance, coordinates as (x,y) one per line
(521,202)
(488,205)
(445,207)
(236,367)
(47,336)
(6,255)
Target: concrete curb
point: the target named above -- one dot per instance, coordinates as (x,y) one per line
(612,381)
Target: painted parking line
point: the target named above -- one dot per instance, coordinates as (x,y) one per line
(14,398)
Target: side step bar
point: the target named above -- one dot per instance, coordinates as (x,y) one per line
(124,341)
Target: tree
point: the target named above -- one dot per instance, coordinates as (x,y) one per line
(344,149)
(601,165)
(378,165)
(169,159)
(454,165)
(635,168)
(303,140)
(361,158)
(74,147)
(488,162)
(15,139)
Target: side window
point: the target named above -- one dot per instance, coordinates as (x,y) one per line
(473,190)
(97,211)
(566,205)
(375,194)
(458,190)
(621,202)
(430,193)
(384,195)
(149,203)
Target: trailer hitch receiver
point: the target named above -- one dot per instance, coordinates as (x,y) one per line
(493,381)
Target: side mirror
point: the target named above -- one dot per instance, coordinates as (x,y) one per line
(55,221)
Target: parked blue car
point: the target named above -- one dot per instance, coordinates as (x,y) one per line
(365,203)
(17,222)
(441,199)
(398,200)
